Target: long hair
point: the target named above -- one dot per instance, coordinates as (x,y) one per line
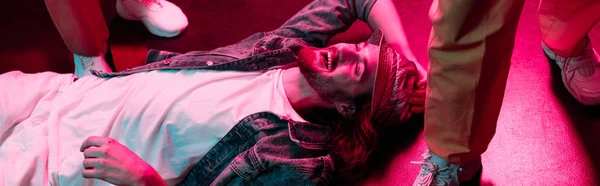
(354,140)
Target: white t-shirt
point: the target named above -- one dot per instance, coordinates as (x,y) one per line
(170,118)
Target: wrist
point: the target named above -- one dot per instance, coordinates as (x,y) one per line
(150,178)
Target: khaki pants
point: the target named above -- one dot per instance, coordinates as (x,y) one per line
(470,50)
(80,24)
(566,23)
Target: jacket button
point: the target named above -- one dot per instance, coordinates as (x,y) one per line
(166,62)
(127,69)
(209,63)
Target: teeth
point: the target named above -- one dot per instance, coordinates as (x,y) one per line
(329,60)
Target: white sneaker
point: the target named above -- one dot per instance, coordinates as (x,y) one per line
(83,64)
(580,74)
(161,17)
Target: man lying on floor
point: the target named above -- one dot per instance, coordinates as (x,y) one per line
(273,108)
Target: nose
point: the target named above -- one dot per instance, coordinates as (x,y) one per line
(348,53)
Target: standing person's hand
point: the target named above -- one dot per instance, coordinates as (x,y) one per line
(108,160)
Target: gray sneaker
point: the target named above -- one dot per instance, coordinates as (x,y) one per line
(436,171)
(580,74)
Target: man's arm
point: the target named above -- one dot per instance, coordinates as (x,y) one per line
(315,24)
(320,20)
(384,17)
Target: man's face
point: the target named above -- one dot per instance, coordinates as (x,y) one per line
(341,72)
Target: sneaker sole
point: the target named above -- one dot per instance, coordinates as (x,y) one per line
(149,26)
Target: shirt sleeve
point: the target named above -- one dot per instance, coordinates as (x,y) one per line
(315,24)
(320,20)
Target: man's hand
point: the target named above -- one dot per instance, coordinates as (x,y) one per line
(417,98)
(108,160)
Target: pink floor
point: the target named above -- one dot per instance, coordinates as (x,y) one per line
(544,137)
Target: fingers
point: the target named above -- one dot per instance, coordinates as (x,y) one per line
(416,100)
(95,141)
(422,84)
(418,93)
(90,163)
(98,152)
(417,97)
(417,109)
(92,141)
(93,173)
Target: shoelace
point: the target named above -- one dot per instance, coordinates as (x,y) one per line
(86,62)
(153,5)
(443,178)
(579,62)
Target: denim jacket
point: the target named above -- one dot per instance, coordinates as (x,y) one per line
(264,149)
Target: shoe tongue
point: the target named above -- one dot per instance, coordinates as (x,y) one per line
(438,161)
(587,70)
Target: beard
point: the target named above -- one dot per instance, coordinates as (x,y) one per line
(315,75)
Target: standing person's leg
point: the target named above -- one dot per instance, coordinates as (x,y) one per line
(82,26)
(83,29)
(21,93)
(470,50)
(564,26)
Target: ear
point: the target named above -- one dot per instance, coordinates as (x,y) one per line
(347,110)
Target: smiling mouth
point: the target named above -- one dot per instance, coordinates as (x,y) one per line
(328,59)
